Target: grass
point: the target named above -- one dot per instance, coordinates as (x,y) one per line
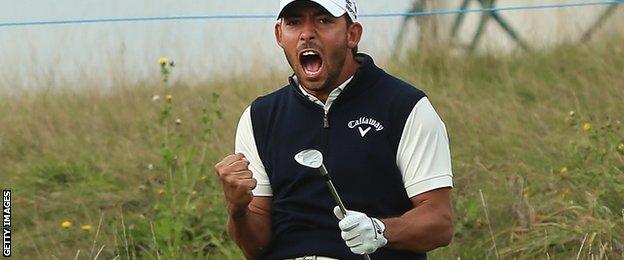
(532,179)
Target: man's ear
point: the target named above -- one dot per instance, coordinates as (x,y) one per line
(354,34)
(278,33)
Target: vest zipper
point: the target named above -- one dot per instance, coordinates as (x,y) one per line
(325,135)
(325,120)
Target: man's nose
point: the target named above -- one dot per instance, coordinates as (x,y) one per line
(308,31)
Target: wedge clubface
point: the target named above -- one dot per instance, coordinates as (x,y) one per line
(314,159)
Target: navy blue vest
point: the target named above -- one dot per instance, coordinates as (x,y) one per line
(362,166)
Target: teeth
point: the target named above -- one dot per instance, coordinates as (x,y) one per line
(308,53)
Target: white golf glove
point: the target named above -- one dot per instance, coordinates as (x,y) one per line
(363,234)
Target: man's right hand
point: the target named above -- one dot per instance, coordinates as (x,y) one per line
(237,182)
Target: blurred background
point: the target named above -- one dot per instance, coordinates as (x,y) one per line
(109,130)
(73,54)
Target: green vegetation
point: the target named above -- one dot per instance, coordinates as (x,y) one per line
(537,142)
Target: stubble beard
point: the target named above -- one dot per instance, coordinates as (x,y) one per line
(333,72)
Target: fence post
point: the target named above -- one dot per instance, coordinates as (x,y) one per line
(599,22)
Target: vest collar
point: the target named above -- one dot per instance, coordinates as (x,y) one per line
(364,78)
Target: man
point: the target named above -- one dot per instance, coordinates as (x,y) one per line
(383,143)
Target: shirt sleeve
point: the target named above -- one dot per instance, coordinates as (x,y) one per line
(423,155)
(246,144)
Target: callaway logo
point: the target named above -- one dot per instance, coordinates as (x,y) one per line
(377,228)
(365,124)
(352,8)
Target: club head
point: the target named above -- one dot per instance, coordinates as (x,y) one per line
(310,158)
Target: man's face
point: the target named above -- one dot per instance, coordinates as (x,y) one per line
(315,43)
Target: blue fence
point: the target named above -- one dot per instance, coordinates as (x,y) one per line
(271,16)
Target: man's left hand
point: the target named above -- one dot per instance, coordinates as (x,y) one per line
(363,234)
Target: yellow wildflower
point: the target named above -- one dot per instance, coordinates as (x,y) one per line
(620,148)
(563,170)
(169,98)
(163,60)
(587,127)
(86,228)
(161,191)
(66,224)
(525,193)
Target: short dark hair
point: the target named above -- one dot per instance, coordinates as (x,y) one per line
(349,23)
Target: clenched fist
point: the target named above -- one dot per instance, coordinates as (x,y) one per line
(237,182)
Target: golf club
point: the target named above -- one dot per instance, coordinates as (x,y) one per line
(312,158)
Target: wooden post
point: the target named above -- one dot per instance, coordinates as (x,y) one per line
(420,6)
(500,20)
(600,22)
(459,19)
(482,22)
(417,6)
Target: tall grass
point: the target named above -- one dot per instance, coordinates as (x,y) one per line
(538,133)
(532,179)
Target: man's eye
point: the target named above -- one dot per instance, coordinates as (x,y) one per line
(324,20)
(292,22)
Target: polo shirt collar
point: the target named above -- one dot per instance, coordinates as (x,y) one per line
(330,99)
(364,78)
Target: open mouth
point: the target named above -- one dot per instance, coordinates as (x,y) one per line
(311,62)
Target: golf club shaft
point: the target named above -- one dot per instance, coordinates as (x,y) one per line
(332,190)
(334,193)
